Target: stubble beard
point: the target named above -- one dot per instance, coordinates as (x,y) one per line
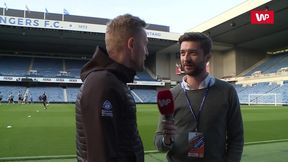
(195,71)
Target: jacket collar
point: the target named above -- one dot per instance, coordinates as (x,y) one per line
(101,61)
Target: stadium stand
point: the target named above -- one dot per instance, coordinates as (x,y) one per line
(145,95)
(59,68)
(48,67)
(283,91)
(65,67)
(144,76)
(14,90)
(54,94)
(259,88)
(266,82)
(72,93)
(14,66)
(271,65)
(41,67)
(73,67)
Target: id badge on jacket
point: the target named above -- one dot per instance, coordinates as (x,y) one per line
(196,145)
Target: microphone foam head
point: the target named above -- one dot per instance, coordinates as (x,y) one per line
(165,102)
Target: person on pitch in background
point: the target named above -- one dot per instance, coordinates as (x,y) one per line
(20,97)
(105,109)
(1,97)
(44,100)
(10,98)
(207,123)
(30,98)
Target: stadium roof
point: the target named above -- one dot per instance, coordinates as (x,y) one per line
(233,28)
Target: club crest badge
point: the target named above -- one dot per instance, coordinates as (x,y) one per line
(107,109)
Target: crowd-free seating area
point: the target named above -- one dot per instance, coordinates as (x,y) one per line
(49,67)
(42,67)
(266,92)
(263,93)
(56,67)
(69,94)
(260,93)
(143,76)
(271,64)
(14,66)
(74,67)
(55,94)
(144,95)
(72,93)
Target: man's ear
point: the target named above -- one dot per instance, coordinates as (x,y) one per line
(208,57)
(131,42)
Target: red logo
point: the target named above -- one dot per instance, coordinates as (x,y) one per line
(262,17)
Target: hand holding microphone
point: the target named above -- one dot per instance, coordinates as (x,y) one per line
(166,108)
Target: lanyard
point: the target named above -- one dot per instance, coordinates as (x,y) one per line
(197,116)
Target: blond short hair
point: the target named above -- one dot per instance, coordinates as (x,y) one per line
(120,29)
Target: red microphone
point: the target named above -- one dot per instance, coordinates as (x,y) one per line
(165,103)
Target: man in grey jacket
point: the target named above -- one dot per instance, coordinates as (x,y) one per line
(207,125)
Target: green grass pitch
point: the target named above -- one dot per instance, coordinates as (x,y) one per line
(29,130)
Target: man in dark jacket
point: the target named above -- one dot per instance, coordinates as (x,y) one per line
(105,109)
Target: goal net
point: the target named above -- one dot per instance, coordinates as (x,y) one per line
(267,98)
